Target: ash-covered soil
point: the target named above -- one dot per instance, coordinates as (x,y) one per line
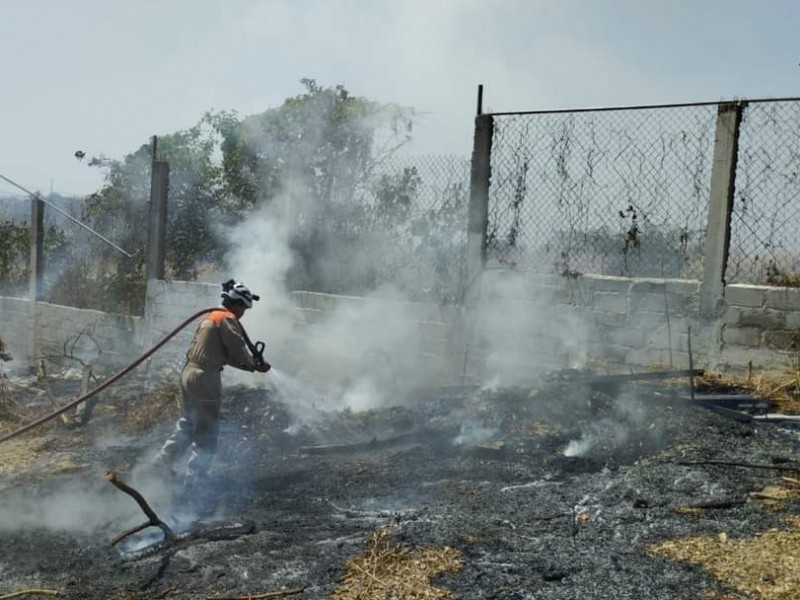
(549,493)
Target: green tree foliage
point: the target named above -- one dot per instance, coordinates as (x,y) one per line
(314,152)
(196,198)
(15,241)
(317,153)
(14,251)
(396,193)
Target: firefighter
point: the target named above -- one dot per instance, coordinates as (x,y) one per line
(218,341)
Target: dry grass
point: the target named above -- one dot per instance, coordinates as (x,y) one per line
(156,408)
(766,565)
(10,410)
(386,570)
(780,387)
(20,454)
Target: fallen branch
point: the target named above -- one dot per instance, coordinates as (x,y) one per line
(550,517)
(153,518)
(763,496)
(601,381)
(717,504)
(278,594)
(41,376)
(33,592)
(723,463)
(184,540)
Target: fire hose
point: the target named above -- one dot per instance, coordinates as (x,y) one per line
(111,380)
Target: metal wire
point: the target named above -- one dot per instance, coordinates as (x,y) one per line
(764,247)
(67,215)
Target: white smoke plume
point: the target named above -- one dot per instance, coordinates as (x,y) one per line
(75,507)
(627,423)
(523,330)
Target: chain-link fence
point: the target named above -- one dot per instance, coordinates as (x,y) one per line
(764,246)
(609,191)
(83,270)
(14,244)
(419,207)
(404,225)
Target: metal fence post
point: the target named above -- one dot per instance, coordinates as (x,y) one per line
(35,267)
(718,229)
(479,197)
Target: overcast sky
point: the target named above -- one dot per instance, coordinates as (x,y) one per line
(103,76)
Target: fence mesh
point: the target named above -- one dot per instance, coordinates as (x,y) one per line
(14,243)
(84,271)
(764,247)
(419,205)
(614,192)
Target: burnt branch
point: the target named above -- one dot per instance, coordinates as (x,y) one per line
(718,504)
(264,596)
(153,518)
(31,592)
(723,463)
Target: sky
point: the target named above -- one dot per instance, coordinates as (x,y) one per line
(103,76)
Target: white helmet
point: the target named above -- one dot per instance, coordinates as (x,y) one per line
(236,290)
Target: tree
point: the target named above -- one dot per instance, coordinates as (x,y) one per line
(15,243)
(314,152)
(317,152)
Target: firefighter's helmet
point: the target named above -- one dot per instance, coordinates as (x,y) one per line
(236,290)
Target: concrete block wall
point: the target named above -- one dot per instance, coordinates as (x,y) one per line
(169,303)
(760,325)
(429,351)
(14,329)
(630,323)
(646,322)
(105,340)
(623,322)
(431,334)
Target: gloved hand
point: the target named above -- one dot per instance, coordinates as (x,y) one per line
(263,367)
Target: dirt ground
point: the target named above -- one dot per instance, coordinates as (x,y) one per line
(553,492)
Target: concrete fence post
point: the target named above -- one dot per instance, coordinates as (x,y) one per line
(718,229)
(156,246)
(35,272)
(478,216)
(477,223)
(159,189)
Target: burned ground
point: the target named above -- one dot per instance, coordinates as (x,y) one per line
(557,491)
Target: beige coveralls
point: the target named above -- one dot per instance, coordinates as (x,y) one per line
(218,341)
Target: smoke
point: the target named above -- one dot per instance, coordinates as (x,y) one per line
(523,329)
(628,424)
(76,506)
(316,229)
(260,256)
(474,432)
